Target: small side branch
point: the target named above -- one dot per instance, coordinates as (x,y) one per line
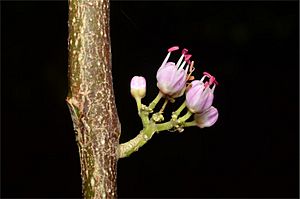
(151,127)
(127,148)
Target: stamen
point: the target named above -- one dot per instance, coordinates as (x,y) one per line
(187,68)
(184,51)
(182,65)
(207,74)
(173,48)
(191,70)
(166,59)
(179,61)
(168,55)
(187,57)
(211,80)
(203,78)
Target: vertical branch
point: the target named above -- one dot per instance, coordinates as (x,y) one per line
(91,98)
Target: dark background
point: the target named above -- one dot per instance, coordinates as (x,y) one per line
(251,48)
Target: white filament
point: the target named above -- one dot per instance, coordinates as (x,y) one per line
(182,65)
(203,78)
(179,61)
(187,68)
(166,59)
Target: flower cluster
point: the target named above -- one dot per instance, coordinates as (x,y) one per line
(174,80)
(199,98)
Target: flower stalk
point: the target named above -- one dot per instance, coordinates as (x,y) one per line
(153,104)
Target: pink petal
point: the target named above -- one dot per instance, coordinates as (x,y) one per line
(138,82)
(207,118)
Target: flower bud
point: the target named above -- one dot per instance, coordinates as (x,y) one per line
(171,77)
(170,80)
(207,118)
(138,87)
(199,97)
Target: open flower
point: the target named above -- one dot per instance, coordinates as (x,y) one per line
(138,87)
(171,77)
(207,118)
(199,96)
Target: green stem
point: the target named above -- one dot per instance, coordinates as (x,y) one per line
(156,100)
(138,103)
(144,117)
(192,123)
(164,126)
(143,114)
(178,111)
(164,106)
(126,149)
(133,145)
(185,117)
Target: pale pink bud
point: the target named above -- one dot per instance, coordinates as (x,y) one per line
(207,118)
(171,77)
(200,96)
(138,87)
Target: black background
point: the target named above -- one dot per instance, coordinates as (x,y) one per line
(251,48)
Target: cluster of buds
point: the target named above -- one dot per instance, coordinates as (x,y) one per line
(174,80)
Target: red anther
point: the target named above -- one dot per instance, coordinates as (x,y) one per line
(207,74)
(173,48)
(187,57)
(189,62)
(211,80)
(184,51)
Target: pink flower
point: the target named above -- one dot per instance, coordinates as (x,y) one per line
(207,118)
(138,87)
(200,96)
(171,77)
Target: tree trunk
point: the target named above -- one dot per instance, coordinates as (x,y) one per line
(91,97)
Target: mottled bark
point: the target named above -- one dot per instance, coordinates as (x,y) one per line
(91,98)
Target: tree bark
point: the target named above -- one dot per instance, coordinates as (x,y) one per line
(91,97)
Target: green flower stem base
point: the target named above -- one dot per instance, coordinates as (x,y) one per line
(156,100)
(185,117)
(138,103)
(188,124)
(152,126)
(178,111)
(133,145)
(144,115)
